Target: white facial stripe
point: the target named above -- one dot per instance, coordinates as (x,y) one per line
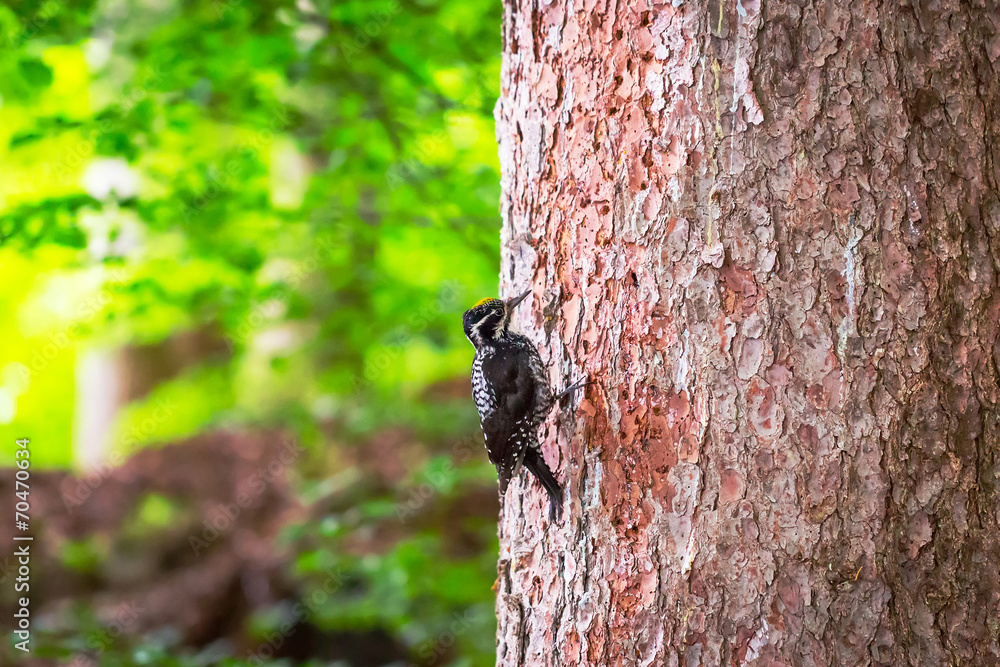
(475,327)
(503,323)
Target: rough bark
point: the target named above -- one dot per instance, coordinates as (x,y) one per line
(771,232)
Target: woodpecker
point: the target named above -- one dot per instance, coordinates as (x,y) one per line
(512,393)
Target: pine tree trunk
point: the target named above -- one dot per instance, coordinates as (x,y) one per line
(771,232)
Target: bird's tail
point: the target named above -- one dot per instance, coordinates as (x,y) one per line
(534,462)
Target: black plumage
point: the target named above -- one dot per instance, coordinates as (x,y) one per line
(512,393)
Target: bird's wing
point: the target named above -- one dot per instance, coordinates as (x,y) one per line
(510,428)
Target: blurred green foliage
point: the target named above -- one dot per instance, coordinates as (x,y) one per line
(317,182)
(321,173)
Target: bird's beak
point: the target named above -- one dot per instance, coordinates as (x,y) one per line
(516,300)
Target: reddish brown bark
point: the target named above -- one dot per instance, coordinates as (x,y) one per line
(772,233)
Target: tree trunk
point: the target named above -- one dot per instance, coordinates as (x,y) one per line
(771,233)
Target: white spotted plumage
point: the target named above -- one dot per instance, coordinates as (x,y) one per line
(482,393)
(511,391)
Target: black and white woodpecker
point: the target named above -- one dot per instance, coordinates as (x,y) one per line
(512,393)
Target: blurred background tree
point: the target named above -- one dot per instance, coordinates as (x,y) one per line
(226,226)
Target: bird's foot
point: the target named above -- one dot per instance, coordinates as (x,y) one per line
(573,387)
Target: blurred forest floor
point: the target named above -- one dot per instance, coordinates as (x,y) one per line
(187,543)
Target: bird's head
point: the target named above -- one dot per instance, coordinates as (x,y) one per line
(489,319)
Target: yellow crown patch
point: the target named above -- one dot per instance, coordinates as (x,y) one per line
(486,300)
